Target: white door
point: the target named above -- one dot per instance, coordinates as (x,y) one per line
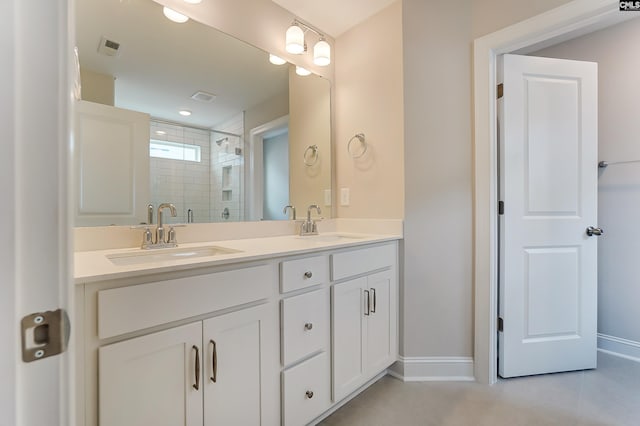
(153,380)
(34,255)
(380,339)
(241,368)
(548,182)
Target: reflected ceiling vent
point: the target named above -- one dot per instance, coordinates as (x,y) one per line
(203,97)
(108,47)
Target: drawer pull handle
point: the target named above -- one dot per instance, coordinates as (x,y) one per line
(214,361)
(197,371)
(309,394)
(308,274)
(368,303)
(373,292)
(308,326)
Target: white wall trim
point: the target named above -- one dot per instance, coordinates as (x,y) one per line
(620,347)
(570,20)
(433,369)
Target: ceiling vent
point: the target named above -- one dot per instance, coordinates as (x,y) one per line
(108,47)
(203,97)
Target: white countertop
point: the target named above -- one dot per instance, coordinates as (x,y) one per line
(91,266)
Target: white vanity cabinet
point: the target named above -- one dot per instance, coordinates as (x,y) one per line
(278,341)
(364,330)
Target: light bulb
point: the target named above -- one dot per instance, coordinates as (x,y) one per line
(322,53)
(302,71)
(174,16)
(276,60)
(295,40)
(184,112)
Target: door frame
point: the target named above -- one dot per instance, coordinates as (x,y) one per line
(563,23)
(255,169)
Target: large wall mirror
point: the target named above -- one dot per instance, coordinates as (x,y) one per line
(258,136)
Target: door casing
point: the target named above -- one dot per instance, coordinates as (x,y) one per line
(571,20)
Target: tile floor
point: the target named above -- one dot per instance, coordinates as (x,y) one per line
(609,395)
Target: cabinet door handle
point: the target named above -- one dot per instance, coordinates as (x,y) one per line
(309,394)
(308,274)
(197,385)
(368,308)
(214,361)
(373,292)
(308,326)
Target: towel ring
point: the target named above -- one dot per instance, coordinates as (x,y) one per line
(313,158)
(363,142)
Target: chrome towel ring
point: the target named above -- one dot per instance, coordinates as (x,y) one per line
(311,160)
(363,142)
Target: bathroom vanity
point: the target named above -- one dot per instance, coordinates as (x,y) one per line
(263,331)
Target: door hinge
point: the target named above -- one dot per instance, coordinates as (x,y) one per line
(44,334)
(500,324)
(500,207)
(500,91)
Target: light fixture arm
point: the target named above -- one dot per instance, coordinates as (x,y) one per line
(306,28)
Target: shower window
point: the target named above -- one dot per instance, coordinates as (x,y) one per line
(174,151)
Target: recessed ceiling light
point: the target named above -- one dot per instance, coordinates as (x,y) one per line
(193,1)
(160,132)
(276,60)
(184,112)
(302,71)
(174,16)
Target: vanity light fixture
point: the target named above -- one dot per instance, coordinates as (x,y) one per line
(296,44)
(276,60)
(184,112)
(302,71)
(174,16)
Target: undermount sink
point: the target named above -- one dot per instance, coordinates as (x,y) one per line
(163,255)
(330,238)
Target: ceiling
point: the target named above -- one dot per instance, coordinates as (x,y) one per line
(334,16)
(161,63)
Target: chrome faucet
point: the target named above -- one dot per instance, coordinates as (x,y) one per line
(160,229)
(309,226)
(160,241)
(293,211)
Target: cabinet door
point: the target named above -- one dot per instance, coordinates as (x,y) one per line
(150,380)
(349,332)
(241,367)
(381,339)
(112,165)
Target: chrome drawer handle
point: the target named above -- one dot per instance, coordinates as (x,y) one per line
(308,326)
(309,394)
(308,274)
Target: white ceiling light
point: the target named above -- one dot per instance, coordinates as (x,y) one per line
(276,60)
(174,16)
(302,71)
(193,1)
(184,112)
(295,39)
(322,53)
(160,132)
(295,43)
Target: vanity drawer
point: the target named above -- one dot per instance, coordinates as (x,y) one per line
(349,263)
(306,390)
(127,309)
(305,328)
(301,273)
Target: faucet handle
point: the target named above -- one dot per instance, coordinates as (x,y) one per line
(171,236)
(147,238)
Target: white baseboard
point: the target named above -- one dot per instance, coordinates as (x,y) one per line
(617,346)
(425,369)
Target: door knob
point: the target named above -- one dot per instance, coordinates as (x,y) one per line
(591,231)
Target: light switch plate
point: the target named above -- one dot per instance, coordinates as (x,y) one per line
(344,196)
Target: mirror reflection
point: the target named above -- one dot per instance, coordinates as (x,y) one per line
(184,114)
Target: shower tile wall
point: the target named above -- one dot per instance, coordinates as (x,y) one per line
(227,171)
(186,184)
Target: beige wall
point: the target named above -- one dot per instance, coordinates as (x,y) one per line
(309,124)
(438,288)
(274,107)
(368,99)
(97,87)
